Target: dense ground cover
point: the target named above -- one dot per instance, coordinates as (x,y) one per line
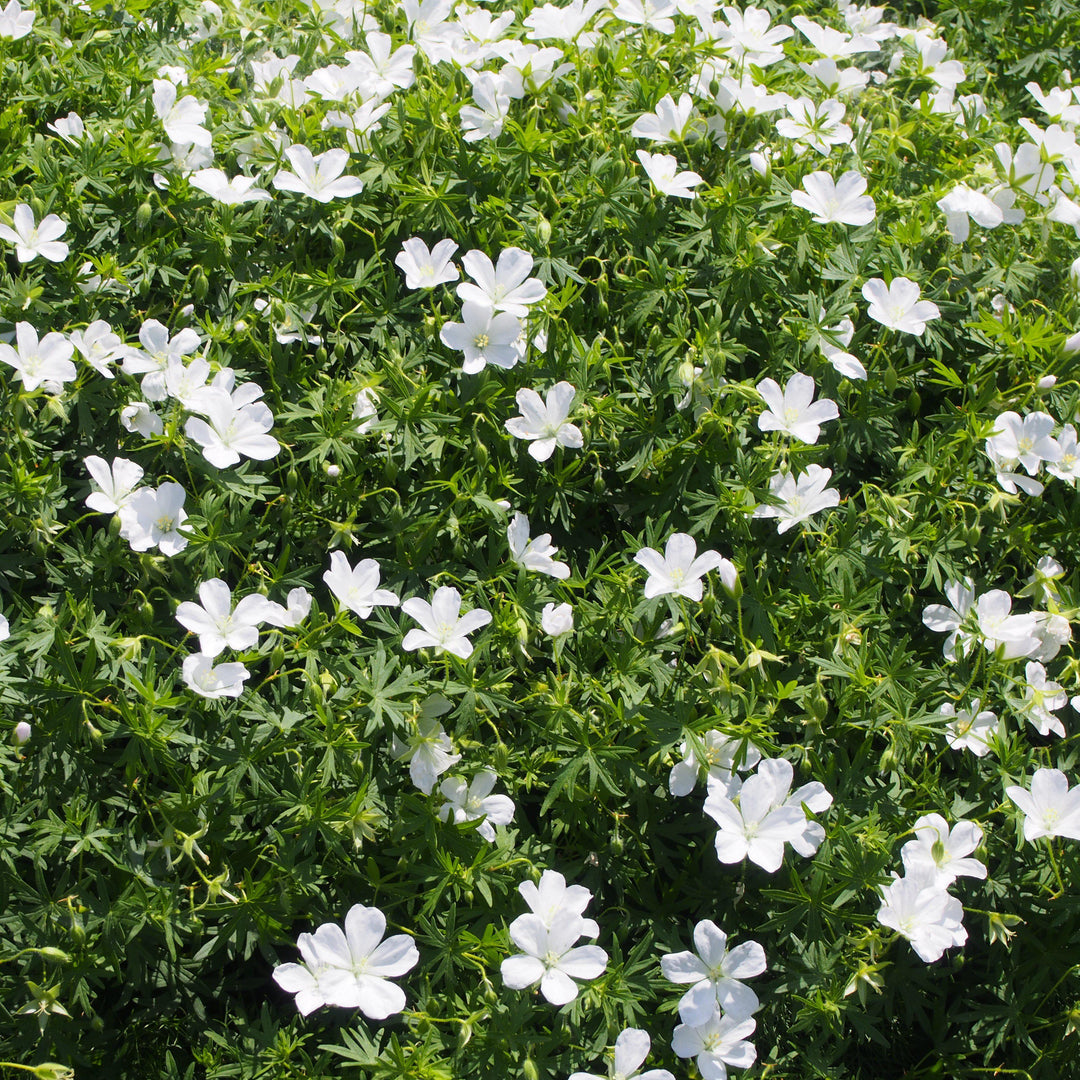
(250,427)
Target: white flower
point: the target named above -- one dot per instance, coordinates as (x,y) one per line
(296,609)
(842,202)
(46,362)
(817,126)
(117,483)
(1009,635)
(942,851)
(535,555)
(351,969)
(668,122)
(229,433)
(1051,807)
(429,750)
(1042,698)
(1067,466)
(680,569)
(793,410)
(365,409)
(716,973)
(663,171)
(919,909)
(971,729)
(717,759)
(158,351)
(485,119)
(425,269)
(182,118)
(557,621)
(951,620)
(357,588)
(750,37)
(760,824)
(14,22)
(505,286)
(210,681)
(31,239)
(442,628)
(484,337)
(843,362)
(152,518)
(234,192)
(961,204)
(716,1044)
(318,176)
(1027,441)
(141,418)
(474,801)
(553,901)
(631,1050)
(656,16)
(898,306)
(98,346)
(799,499)
(543,423)
(548,957)
(70,128)
(220,625)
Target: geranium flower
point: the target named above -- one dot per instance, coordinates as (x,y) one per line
(716,973)
(750,37)
(425,269)
(505,286)
(833,351)
(668,122)
(45,362)
(484,337)
(117,483)
(182,118)
(234,192)
(220,625)
(158,351)
(631,1049)
(962,204)
(441,627)
(1025,441)
(817,126)
(357,588)
(1051,807)
(898,306)
(951,620)
(971,728)
(717,761)
(295,610)
(428,751)
(678,572)
(352,968)
(98,346)
(716,1044)
(141,418)
(1042,698)
(557,620)
(485,119)
(70,128)
(210,681)
(14,22)
(793,410)
(474,801)
(919,909)
(799,499)
(535,555)
(553,901)
(228,433)
(1067,466)
(549,957)
(32,240)
(152,518)
(942,851)
(842,202)
(646,13)
(318,176)
(663,171)
(543,423)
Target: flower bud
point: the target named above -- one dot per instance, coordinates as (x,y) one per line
(543,231)
(890,378)
(142,217)
(277,658)
(200,284)
(528,1067)
(21,733)
(332,471)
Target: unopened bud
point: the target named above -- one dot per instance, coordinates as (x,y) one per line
(21,733)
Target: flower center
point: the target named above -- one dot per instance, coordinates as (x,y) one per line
(481,342)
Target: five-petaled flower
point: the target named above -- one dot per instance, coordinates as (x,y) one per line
(543,422)
(898,306)
(32,239)
(680,569)
(443,628)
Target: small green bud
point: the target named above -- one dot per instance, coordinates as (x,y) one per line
(890,378)
(200,285)
(142,217)
(321,356)
(50,1070)
(292,480)
(528,1068)
(603,54)
(543,231)
(338,247)
(914,403)
(501,758)
(49,952)
(114,526)
(339,351)
(277,658)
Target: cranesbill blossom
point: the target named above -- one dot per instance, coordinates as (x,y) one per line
(474,801)
(213,681)
(1008,635)
(750,37)
(295,610)
(553,901)
(647,13)
(443,628)
(833,350)
(952,619)
(1026,441)
(680,569)
(543,423)
(70,128)
(962,206)
(220,625)
(182,117)
(716,973)
(663,171)
(484,337)
(1051,807)
(631,1049)
(817,126)
(799,499)
(45,362)
(549,957)
(159,349)
(425,269)
(535,555)
(716,1044)
(228,433)
(918,908)
(152,518)
(759,824)
(428,750)
(668,122)
(898,306)
(1052,633)
(31,240)
(557,620)
(141,418)
(942,851)
(1067,466)
(793,409)
(235,192)
(357,588)
(318,175)
(842,202)
(117,482)
(352,968)
(98,346)
(14,22)
(485,118)
(717,759)
(971,728)
(1042,698)
(503,286)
